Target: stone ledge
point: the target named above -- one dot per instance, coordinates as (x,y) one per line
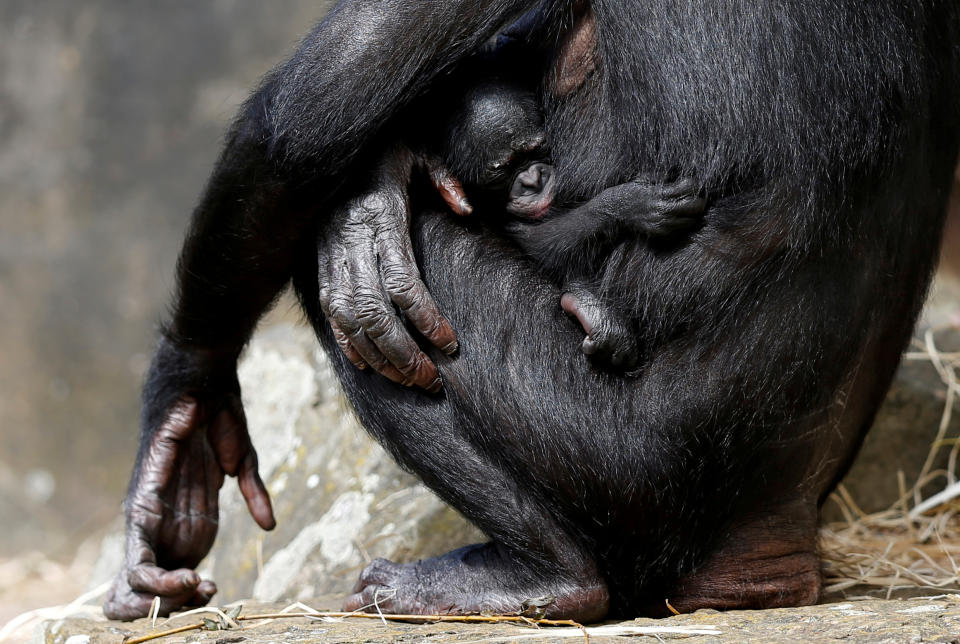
(924,619)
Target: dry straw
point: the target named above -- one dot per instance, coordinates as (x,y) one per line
(913,546)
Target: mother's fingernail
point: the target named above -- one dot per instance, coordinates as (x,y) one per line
(435,386)
(451,348)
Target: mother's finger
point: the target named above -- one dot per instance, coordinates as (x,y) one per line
(340,306)
(203,594)
(157,469)
(154,580)
(384,327)
(124,603)
(324,281)
(255,492)
(344,343)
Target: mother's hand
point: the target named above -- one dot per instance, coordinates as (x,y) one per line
(172,508)
(367,267)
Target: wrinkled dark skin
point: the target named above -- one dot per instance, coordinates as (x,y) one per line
(467,581)
(173,510)
(373,269)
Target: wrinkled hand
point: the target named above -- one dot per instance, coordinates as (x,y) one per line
(172,510)
(367,266)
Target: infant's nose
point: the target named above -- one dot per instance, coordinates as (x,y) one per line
(535,177)
(531,178)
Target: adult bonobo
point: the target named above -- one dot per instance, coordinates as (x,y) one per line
(825,134)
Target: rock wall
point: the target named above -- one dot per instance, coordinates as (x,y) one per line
(111,115)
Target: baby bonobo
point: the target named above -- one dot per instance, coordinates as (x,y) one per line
(494,143)
(491,153)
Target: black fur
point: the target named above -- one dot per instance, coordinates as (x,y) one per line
(825,133)
(493,141)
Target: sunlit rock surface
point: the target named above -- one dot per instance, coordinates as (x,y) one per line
(339,498)
(934,619)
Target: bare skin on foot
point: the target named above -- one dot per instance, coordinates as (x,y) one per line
(477,579)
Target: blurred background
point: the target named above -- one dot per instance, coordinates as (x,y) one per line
(111,116)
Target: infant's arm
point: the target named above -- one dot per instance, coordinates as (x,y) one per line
(571,243)
(638,207)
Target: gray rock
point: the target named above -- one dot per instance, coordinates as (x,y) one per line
(930,619)
(339,498)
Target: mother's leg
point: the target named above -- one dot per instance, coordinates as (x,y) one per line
(534,561)
(697,481)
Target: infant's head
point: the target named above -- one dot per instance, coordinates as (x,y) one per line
(495,144)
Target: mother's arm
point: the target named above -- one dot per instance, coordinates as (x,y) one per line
(293,142)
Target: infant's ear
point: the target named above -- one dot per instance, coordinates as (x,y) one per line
(449,187)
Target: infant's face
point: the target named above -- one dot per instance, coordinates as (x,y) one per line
(499,148)
(518,171)
(516,165)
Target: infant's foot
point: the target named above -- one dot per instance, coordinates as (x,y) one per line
(610,341)
(659,209)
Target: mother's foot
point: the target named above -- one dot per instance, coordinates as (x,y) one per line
(476,579)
